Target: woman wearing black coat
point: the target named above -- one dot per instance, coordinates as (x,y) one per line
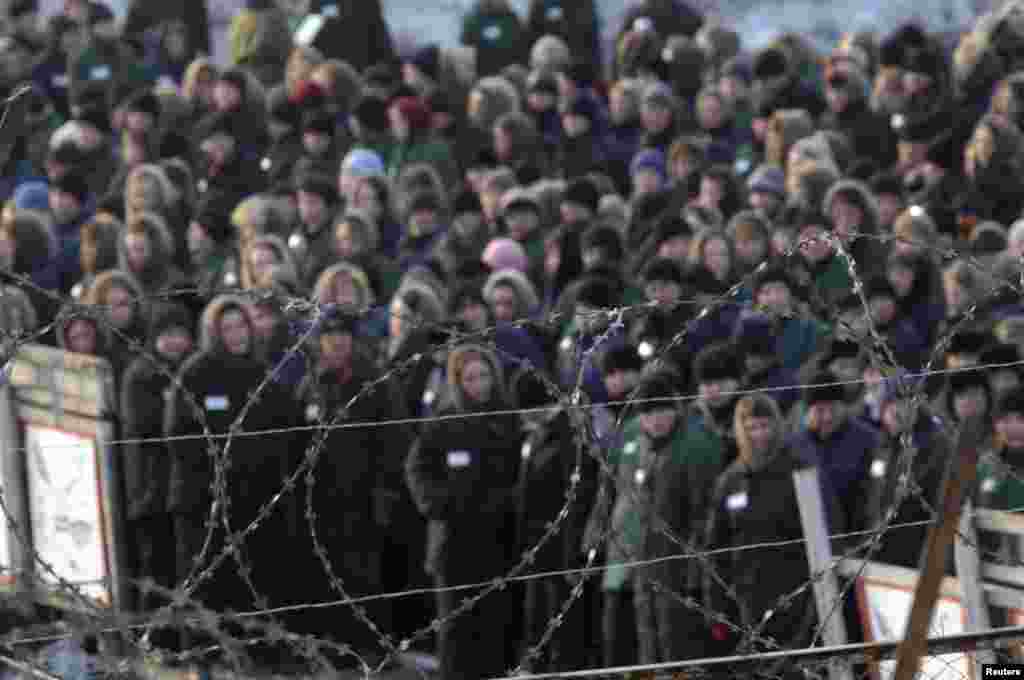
(462,474)
(144,462)
(215,386)
(755,502)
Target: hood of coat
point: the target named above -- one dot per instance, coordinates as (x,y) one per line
(525,291)
(364,228)
(458,359)
(18,316)
(99,287)
(35,241)
(149,189)
(490,99)
(286,267)
(71,314)
(327,282)
(860,195)
(210,338)
(161,249)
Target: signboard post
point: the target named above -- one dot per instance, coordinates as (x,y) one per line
(61,473)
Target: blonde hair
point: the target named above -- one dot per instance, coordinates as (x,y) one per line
(755,406)
(201,67)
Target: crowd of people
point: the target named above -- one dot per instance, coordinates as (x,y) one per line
(409,272)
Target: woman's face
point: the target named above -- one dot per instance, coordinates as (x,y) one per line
(709,113)
(367,200)
(82,337)
(711,192)
(226,96)
(970,403)
(345,291)
(813,244)
(136,248)
(902,279)
(120,307)
(502,143)
(751,250)
(1011,429)
(716,258)
(235,332)
(760,432)
(174,344)
(675,248)
(261,260)
(656,118)
(474,315)
(477,380)
(345,242)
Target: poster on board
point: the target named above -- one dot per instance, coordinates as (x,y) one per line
(65,507)
(888,608)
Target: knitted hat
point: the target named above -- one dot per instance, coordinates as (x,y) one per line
(67,153)
(424,201)
(582,191)
(372,113)
(542,82)
(95,116)
(321,185)
(656,391)
(505,253)
(671,226)
(168,315)
(606,238)
(621,358)
(319,122)
(962,381)
(969,342)
(32,196)
(923,127)
(466,201)
(823,387)
(768,179)
(144,101)
(717,362)
(773,275)
(597,293)
(74,184)
(214,215)
(363,163)
(663,269)
(879,286)
(886,183)
(428,61)
(174,145)
(650,159)
(1011,403)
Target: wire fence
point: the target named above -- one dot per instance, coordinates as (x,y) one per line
(232,638)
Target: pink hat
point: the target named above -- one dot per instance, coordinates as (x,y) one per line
(504,253)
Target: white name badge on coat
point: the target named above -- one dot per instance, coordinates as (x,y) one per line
(101,72)
(492,33)
(168,394)
(629,449)
(555,13)
(527,450)
(216,403)
(313,413)
(878,468)
(640,476)
(307,31)
(329,11)
(737,501)
(458,459)
(989,485)
(60,81)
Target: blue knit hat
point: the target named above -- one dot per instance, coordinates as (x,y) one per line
(768,179)
(650,159)
(32,196)
(363,163)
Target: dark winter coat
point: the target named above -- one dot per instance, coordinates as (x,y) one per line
(355,31)
(750,507)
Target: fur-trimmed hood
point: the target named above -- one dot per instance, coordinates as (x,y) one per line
(457,359)
(497,96)
(161,249)
(323,291)
(210,340)
(365,226)
(517,281)
(860,195)
(36,243)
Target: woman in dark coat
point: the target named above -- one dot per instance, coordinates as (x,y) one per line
(755,501)
(145,464)
(215,387)
(462,474)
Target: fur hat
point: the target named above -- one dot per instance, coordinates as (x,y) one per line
(717,362)
(823,386)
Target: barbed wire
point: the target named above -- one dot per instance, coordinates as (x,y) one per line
(211,557)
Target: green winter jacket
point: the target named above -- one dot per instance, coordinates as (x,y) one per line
(640,474)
